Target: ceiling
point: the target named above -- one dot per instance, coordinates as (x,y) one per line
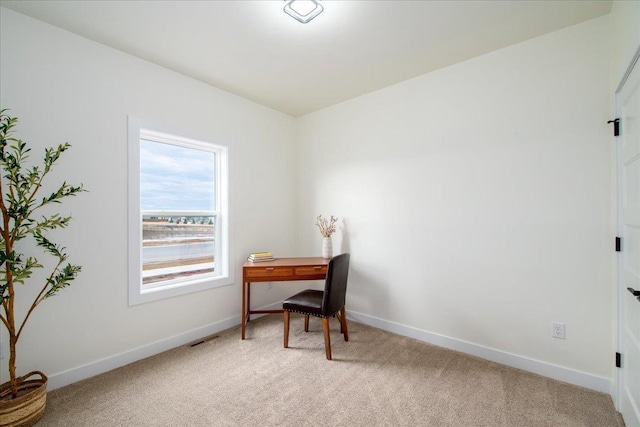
(255,50)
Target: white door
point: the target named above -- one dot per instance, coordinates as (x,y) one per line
(628,105)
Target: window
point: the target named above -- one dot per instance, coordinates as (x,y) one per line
(178,214)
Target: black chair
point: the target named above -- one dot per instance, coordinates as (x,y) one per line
(323,304)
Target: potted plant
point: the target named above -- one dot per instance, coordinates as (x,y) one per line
(22,399)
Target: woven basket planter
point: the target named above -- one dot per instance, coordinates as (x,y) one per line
(28,407)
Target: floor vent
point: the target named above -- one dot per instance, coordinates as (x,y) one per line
(202,340)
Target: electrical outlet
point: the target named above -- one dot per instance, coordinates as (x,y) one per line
(557,330)
(270,286)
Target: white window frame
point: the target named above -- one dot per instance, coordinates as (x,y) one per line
(223,274)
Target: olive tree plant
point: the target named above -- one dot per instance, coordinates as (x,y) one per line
(19,203)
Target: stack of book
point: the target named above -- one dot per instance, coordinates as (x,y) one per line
(260,257)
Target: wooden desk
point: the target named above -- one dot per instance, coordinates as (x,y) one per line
(279,270)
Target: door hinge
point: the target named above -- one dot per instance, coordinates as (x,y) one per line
(618,360)
(618,244)
(616,126)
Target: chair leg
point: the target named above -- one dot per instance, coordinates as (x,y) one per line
(343,323)
(306,323)
(286,329)
(327,337)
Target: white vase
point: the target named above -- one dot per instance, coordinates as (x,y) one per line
(327,247)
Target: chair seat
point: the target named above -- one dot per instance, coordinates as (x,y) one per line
(307,302)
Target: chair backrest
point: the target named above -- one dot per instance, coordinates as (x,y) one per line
(335,285)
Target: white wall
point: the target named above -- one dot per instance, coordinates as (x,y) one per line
(477,202)
(625,20)
(66,88)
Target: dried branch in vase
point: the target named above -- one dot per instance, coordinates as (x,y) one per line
(327,227)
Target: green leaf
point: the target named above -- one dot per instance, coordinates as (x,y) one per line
(62,279)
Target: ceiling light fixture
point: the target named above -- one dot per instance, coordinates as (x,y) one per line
(303,10)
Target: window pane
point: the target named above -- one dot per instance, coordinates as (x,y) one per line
(175,247)
(177,200)
(176,178)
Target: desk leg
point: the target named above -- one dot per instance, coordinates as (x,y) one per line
(248,302)
(243,313)
(246,306)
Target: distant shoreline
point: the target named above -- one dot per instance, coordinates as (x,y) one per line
(177,241)
(156,233)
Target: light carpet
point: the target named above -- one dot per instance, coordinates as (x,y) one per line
(376,379)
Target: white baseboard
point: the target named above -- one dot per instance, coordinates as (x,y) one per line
(582,379)
(92,369)
(560,373)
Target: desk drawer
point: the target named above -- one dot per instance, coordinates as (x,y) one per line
(269,272)
(311,271)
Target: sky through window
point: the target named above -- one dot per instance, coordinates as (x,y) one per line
(176,178)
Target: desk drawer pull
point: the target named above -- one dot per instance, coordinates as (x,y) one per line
(269,268)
